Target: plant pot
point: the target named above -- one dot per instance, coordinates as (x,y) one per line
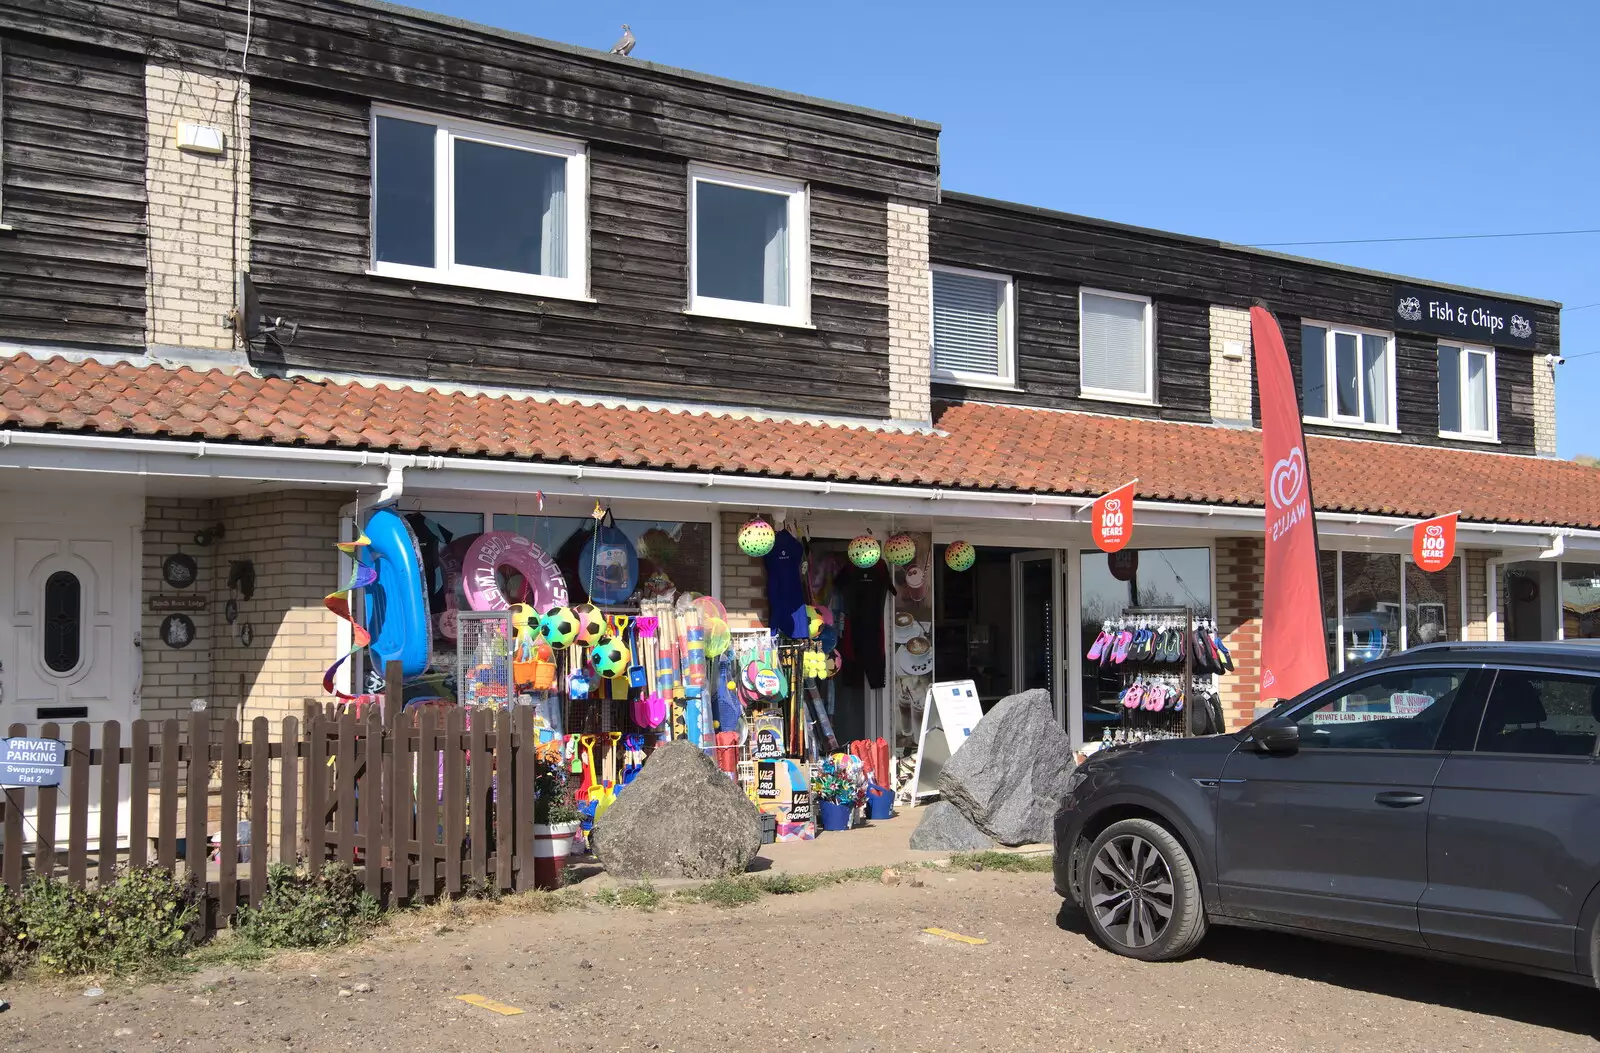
(552,843)
(836,816)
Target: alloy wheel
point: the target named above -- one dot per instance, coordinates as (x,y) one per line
(1130,891)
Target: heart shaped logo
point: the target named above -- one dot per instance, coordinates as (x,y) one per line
(1288,479)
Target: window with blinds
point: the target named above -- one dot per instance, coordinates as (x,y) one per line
(1117,352)
(972,326)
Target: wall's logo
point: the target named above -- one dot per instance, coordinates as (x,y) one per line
(1410,309)
(1435,530)
(1114,504)
(1288,479)
(1521,328)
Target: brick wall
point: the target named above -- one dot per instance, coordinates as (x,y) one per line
(910,341)
(1240,569)
(174,676)
(1477,618)
(199,207)
(1544,407)
(743,589)
(1230,378)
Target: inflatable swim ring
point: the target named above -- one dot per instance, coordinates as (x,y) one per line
(451,558)
(397,603)
(543,587)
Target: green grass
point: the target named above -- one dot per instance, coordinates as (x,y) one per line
(1003,861)
(642,896)
(723,892)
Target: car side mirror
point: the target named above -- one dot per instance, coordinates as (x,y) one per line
(1277,735)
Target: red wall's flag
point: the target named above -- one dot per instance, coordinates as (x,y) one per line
(1433,542)
(1294,643)
(1111,519)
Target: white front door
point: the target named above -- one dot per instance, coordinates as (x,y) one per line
(68,624)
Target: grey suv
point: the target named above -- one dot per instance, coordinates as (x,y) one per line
(1444,801)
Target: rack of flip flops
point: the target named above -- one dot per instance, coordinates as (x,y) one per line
(1156,652)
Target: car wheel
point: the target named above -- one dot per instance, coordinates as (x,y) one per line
(1141,893)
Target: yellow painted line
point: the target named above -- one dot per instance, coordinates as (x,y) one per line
(975,941)
(491,1005)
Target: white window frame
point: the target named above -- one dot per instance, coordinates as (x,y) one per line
(1006,377)
(1148,396)
(1493,434)
(797,312)
(1330,378)
(574,286)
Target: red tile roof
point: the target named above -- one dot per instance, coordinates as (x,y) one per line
(976,447)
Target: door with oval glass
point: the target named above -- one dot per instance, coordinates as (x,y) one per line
(67,648)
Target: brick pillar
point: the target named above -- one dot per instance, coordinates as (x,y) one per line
(743,589)
(199,207)
(1240,570)
(1477,623)
(1544,406)
(1230,365)
(910,292)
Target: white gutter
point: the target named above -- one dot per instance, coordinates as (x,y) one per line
(384,473)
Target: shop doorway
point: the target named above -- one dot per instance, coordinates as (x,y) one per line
(1528,596)
(999,623)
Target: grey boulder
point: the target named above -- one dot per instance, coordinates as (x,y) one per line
(1010,774)
(943,829)
(680,818)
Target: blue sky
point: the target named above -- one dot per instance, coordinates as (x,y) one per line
(1249,122)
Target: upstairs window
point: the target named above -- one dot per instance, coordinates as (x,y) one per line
(972,341)
(1347,375)
(472,205)
(749,252)
(1466,392)
(1117,337)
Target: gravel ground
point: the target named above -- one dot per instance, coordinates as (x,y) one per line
(842,969)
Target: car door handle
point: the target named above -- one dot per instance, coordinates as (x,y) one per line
(1399,798)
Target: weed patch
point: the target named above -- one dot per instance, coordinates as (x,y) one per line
(642,896)
(142,921)
(1004,861)
(324,909)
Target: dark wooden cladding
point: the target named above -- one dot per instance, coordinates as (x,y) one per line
(1051,255)
(73,263)
(310,252)
(445,66)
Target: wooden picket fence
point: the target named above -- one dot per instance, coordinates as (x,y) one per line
(431,802)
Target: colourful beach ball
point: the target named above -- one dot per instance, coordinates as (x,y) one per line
(591,625)
(900,549)
(560,627)
(960,555)
(864,551)
(816,618)
(757,537)
(611,658)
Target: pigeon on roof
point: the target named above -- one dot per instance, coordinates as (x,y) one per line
(624,44)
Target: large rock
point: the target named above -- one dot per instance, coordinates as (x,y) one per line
(1008,778)
(943,829)
(680,818)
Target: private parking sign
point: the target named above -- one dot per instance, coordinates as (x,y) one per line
(32,762)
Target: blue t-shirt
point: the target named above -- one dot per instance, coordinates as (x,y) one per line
(785,591)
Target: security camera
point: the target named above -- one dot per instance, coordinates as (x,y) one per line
(1556,360)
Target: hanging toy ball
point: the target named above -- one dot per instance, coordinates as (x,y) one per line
(757,537)
(560,627)
(611,658)
(960,555)
(864,551)
(591,626)
(900,549)
(813,621)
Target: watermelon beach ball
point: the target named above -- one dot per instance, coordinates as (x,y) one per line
(757,537)
(960,555)
(864,551)
(611,658)
(560,627)
(900,549)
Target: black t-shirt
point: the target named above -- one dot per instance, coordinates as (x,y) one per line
(863,591)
